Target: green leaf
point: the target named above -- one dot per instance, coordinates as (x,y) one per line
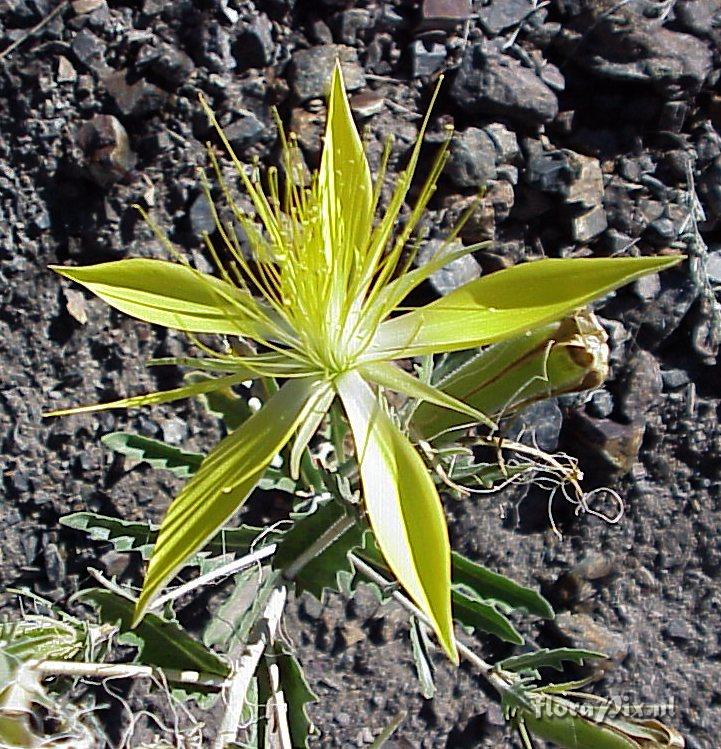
(225,479)
(492,586)
(388,731)
(507,303)
(160,642)
(170,294)
(164,396)
(472,612)
(297,693)
(547,658)
(403,507)
(344,177)
(126,535)
(329,567)
(574,732)
(154,452)
(422,659)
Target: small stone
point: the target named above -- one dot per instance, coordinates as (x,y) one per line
(426,58)
(600,404)
(618,444)
(105,144)
(491,84)
(444,14)
(582,631)
(90,51)
(351,634)
(66,71)
(500,15)
(589,225)
(54,563)
(678,630)
(473,159)
(215,48)
(550,171)
(586,188)
(366,104)
(311,607)
(647,287)
(352,23)
(201,216)
(713,266)
(505,141)
(312,68)
(674,378)
(245,131)
(87,6)
(175,431)
(452,276)
(641,387)
(173,65)
(308,128)
(255,47)
(134,99)
(541,422)
(75,305)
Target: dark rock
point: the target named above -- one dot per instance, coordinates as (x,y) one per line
(702,18)
(426,58)
(473,159)
(366,104)
(675,64)
(201,217)
(245,131)
(173,65)
(505,141)
(600,404)
(311,70)
(491,84)
(550,171)
(540,424)
(617,444)
(444,14)
(674,378)
(104,141)
(502,14)
(679,631)
(255,47)
(452,276)
(582,631)
(352,23)
(134,99)
(90,51)
(308,127)
(641,387)
(586,188)
(214,48)
(647,287)
(672,116)
(586,226)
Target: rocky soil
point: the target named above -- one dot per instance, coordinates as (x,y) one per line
(595,127)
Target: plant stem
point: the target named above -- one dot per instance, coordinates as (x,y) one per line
(76,669)
(246,667)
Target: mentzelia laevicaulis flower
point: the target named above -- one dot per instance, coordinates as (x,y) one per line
(322,300)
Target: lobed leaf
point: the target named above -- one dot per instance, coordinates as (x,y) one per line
(403,507)
(155,453)
(297,693)
(507,303)
(546,658)
(471,612)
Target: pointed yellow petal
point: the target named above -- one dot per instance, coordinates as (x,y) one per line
(223,482)
(504,304)
(170,294)
(403,506)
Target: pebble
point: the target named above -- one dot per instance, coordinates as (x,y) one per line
(674,378)
(600,404)
(366,104)
(641,386)
(491,84)
(426,58)
(66,71)
(499,15)
(201,216)
(214,48)
(618,444)
(134,99)
(104,141)
(245,131)
(452,276)
(90,51)
(589,225)
(255,47)
(473,159)
(444,14)
(311,70)
(713,266)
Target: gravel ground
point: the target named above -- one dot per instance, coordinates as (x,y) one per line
(595,128)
